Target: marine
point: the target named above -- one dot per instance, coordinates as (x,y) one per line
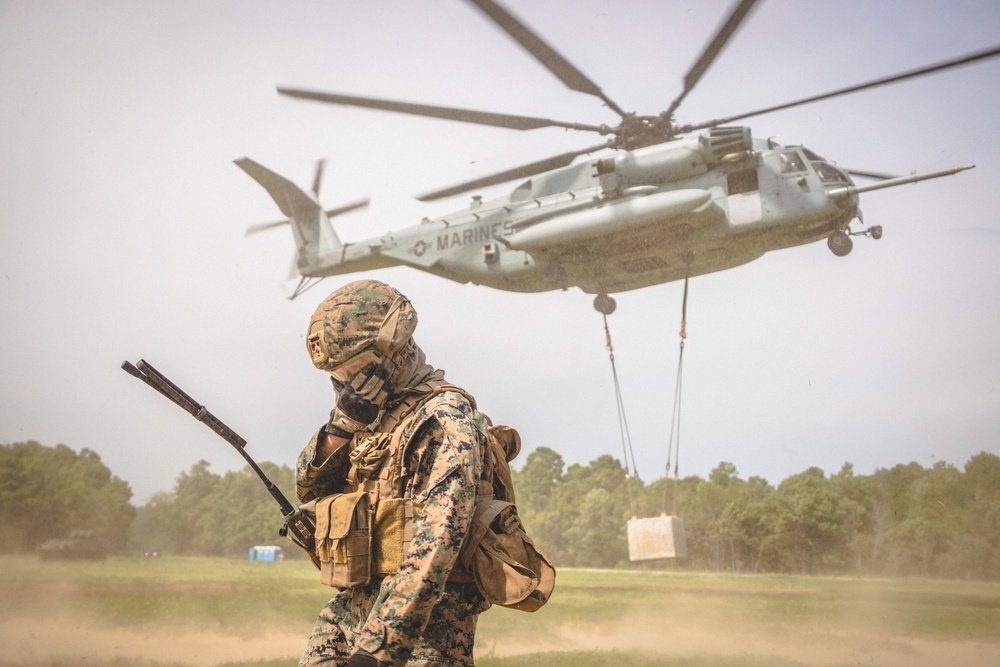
(394,476)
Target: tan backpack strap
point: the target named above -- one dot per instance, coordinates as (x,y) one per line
(504,445)
(485,513)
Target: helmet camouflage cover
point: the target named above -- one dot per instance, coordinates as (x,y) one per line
(362,315)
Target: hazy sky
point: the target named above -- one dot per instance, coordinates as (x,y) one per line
(122,222)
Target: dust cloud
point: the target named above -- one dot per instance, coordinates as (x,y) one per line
(72,641)
(816,648)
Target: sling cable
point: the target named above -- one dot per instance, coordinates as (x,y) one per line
(663,536)
(627,452)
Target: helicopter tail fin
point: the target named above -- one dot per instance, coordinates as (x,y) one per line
(314,235)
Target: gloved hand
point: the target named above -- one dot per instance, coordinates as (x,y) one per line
(365,659)
(359,401)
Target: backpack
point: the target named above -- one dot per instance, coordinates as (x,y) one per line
(506,566)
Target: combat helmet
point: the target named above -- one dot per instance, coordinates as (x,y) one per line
(361,322)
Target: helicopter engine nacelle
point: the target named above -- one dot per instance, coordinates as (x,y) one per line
(674,160)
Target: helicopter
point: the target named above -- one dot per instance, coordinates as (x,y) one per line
(671,202)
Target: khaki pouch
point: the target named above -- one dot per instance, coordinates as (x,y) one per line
(343,539)
(505,564)
(393,531)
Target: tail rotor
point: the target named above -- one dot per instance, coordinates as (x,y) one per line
(316,242)
(317,180)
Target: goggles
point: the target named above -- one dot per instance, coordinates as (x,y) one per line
(346,371)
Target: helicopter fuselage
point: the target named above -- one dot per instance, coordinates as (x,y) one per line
(642,217)
(668,205)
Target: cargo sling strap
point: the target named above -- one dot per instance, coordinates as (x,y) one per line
(673,447)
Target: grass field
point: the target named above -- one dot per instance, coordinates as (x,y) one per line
(214,612)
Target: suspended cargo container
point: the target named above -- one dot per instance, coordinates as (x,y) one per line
(656,537)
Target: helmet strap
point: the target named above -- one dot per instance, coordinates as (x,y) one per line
(387,331)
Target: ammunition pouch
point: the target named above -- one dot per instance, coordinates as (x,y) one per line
(344,539)
(353,544)
(392,534)
(359,533)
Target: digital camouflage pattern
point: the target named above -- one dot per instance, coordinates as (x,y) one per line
(412,617)
(351,317)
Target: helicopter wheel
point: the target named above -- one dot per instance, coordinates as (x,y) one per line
(840,243)
(604,304)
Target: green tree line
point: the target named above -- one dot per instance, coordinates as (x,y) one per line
(215,515)
(908,520)
(48,492)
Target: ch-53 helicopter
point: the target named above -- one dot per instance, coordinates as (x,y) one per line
(674,201)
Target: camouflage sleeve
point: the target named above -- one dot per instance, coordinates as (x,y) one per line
(312,481)
(444,459)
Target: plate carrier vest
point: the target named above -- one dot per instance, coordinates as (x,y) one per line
(365,531)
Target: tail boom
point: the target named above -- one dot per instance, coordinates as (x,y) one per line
(315,238)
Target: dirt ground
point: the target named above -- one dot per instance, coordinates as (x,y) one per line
(819,648)
(36,641)
(31,641)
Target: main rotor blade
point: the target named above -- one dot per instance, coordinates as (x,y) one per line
(545,54)
(448,113)
(930,69)
(713,49)
(510,174)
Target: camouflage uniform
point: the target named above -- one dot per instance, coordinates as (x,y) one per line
(412,617)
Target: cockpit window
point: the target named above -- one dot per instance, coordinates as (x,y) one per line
(792,162)
(812,157)
(830,174)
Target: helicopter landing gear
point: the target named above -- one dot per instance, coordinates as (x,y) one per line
(840,243)
(604,304)
(873,232)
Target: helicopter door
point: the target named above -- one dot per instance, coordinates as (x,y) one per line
(744,196)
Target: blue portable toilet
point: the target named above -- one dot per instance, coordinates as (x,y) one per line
(266,553)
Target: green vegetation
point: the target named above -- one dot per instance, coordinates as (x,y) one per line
(633,618)
(216,515)
(48,492)
(904,521)
(141,591)
(630,659)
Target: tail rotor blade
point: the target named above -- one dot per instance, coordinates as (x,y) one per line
(264,226)
(320,164)
(347,208)
(279,189)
